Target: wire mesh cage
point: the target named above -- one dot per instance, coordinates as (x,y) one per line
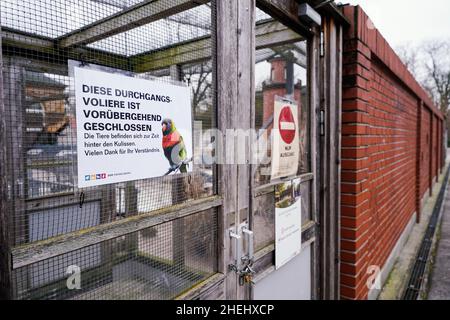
(152,264)
(281,70)
(164,41)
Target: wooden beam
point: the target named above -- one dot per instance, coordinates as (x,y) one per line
(273,33)
(297,58)
(42,48)
(136,16)
(329,9)
(261,56)
(210,289)
(285,11)
(31,253)
(184,53)
(269,187)
(268,35)
(5,212)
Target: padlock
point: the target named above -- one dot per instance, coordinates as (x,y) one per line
(248,279)
(242,280)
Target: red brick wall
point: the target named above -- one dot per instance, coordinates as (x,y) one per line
(277,87)
(385,170)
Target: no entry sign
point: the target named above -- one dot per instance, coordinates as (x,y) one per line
(287,126)
(285,139)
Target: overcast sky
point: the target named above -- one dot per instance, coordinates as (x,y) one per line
(408,21)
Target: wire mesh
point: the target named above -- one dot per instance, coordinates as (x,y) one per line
(38,40)
(273,58)
(156,263)
(277,47)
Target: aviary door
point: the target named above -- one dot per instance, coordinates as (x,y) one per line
(285,70)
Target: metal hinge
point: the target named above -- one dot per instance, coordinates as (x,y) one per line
(322,123)
(322,44)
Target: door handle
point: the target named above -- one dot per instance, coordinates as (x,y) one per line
(250,242)
(237,248)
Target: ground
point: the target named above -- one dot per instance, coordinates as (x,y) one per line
(436,281)
(439,287)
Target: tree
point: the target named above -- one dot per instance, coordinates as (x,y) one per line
(410,57)
(429,62)
(437,67)
(200,78)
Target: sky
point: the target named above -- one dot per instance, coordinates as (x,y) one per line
(408,21)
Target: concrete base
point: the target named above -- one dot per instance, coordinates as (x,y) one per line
(396,272)
(389,265)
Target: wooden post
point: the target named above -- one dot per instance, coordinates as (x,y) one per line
(13,92)
(235,50)
(314,71)
(329,159)
(131,209)
(5,212)
(178,196)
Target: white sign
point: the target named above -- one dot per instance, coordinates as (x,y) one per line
(129,128)
(285,142)
(288,222)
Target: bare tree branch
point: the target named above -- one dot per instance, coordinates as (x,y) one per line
(438,71)
(410,57)
(430,64)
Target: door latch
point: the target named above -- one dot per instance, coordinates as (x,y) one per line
(237,251)
(243,264)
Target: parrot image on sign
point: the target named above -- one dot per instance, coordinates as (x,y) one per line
(173,146)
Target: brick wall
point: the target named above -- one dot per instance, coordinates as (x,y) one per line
(391,138)
(277,87)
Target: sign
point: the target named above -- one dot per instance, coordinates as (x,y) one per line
(285,140)
(130,128)
(288,222)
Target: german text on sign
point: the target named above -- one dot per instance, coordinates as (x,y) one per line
(129,128)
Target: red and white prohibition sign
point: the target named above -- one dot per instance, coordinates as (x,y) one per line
(286,125)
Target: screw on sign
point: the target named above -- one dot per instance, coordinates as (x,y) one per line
(286,125)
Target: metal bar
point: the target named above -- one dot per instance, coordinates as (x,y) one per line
(136,16)
(29,254)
